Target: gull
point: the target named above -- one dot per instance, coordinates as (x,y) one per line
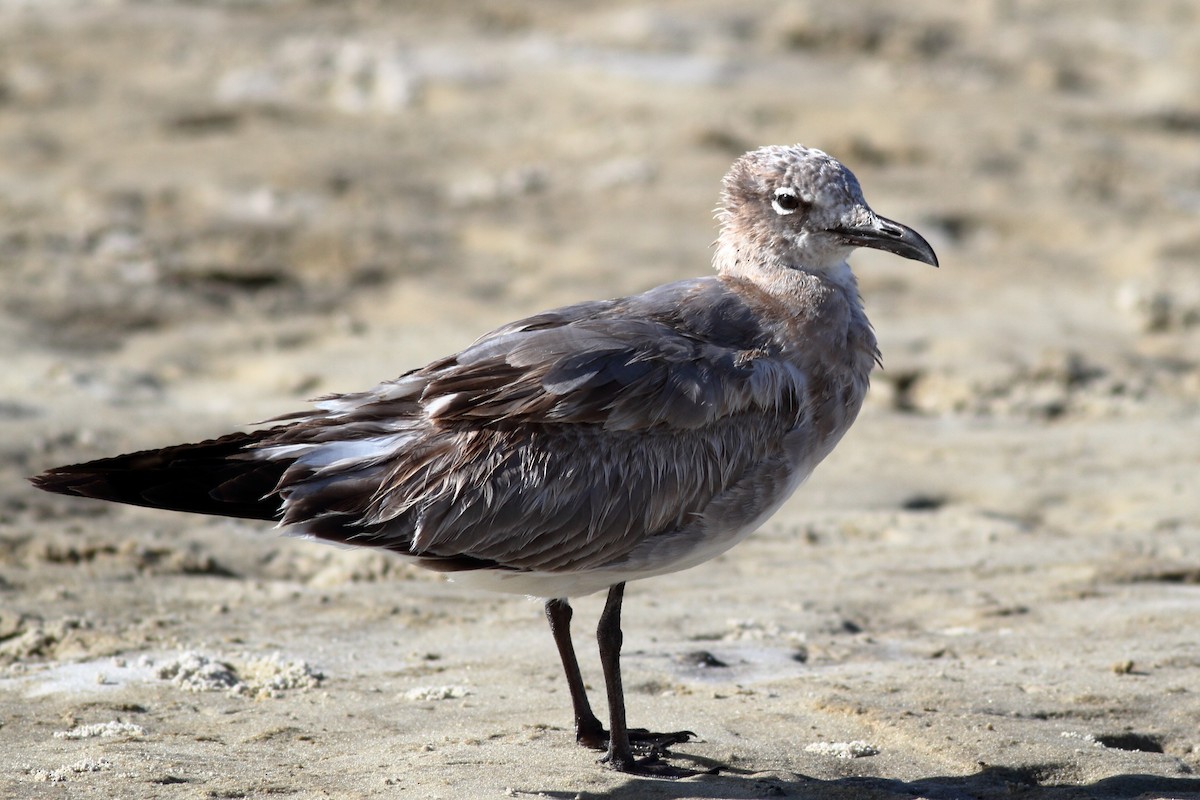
(584,447)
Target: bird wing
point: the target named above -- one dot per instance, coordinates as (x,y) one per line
(557,442)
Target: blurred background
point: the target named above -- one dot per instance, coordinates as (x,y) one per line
(188,166)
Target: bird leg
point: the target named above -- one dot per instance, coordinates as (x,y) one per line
(620,751)
(589,731)
(609,638)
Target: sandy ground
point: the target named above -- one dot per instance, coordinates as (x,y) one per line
(210,212)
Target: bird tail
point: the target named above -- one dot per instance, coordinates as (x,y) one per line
(211,477)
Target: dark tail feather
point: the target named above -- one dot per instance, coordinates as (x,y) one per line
(212,477)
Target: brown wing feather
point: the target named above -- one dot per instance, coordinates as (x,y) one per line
(555,443)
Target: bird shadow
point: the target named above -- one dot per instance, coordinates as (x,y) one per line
(990,783)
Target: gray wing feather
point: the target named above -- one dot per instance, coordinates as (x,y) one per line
(557,442)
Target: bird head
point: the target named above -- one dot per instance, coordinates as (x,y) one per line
(804,209)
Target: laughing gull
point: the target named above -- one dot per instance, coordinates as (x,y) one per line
(584,447)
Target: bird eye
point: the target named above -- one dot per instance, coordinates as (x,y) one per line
(786,201)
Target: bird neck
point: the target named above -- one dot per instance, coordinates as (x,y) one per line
(809,304)
(784,273)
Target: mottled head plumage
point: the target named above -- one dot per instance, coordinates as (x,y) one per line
(798,207)
(817,177)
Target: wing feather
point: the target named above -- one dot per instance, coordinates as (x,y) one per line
(557,442)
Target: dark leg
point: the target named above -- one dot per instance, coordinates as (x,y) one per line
(588,730)
(620,752)
(609,637)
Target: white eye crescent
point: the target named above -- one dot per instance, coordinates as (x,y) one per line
(786,202)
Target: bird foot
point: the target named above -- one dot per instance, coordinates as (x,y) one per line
(652,766)
(656,744)
(643,741)
(645,753)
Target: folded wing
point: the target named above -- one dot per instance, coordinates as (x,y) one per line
(557,442)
